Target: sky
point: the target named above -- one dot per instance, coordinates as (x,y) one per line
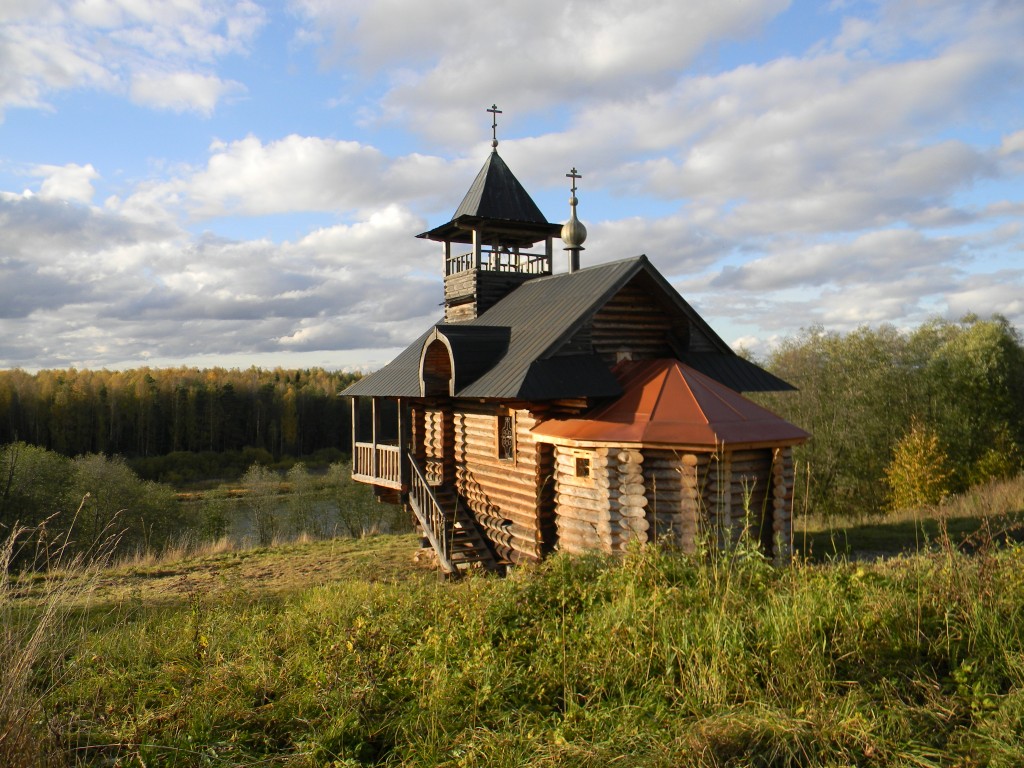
(235,183)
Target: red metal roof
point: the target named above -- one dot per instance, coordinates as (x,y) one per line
(666,402)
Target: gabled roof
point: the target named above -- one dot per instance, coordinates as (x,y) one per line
(541,316)
(496,199)
(668,403)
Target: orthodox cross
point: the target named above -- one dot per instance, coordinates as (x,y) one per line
(494,124)
(573,174)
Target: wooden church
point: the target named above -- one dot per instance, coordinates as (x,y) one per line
(577,411)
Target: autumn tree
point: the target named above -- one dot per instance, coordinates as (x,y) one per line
(918,474)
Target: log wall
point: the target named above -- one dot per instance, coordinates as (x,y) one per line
(438,445)
(474,291)
(741,493)
(632,325)
(511,499)
(606,510)
(582,504)
(636,324)
(676,498)
(782,502)
(673,483)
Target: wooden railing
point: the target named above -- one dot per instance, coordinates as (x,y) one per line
(432,518)
(378,464)
(500,261)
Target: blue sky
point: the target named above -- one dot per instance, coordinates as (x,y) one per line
(239,184)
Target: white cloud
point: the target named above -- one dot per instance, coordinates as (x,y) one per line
(88,286)
(118,46)
(1012,143)
(249,177)
(182,91)
(66,182)
(536,54)
(1000,292)
(874,258)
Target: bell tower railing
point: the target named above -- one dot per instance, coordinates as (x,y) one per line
(499,260)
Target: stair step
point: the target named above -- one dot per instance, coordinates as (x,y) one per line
(462,558)
(466,544)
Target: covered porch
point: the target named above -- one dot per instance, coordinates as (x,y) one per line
(380,442)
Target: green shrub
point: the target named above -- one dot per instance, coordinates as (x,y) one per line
(262,486)
(142,514)
(86,500)
(919,474)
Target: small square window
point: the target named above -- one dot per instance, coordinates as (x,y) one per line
(582,466)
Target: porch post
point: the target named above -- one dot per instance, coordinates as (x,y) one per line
(404,441)
(355,451)
(373,440)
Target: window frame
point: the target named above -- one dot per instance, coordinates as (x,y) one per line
(506,413)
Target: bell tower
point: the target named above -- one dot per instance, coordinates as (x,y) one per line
(496,241)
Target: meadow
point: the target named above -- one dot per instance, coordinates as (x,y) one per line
(347,652)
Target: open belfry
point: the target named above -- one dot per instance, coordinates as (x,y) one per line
(578,411)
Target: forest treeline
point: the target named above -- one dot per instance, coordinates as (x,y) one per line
(902,418)
(147,412)
(898,417)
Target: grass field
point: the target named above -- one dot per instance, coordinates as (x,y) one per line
(986,514)
(352,652)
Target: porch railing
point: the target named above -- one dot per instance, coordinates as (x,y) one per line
(435,523)
(378,464)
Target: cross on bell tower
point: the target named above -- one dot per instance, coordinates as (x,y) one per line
(494,126)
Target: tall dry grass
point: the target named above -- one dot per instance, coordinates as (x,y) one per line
(37,631)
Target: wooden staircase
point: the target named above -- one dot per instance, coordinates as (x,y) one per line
(449,527)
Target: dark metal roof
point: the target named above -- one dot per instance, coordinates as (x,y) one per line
(496,201)
(497,194)
(541,316)
(543,313)
(736,372)
(586,375)
(399,378)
